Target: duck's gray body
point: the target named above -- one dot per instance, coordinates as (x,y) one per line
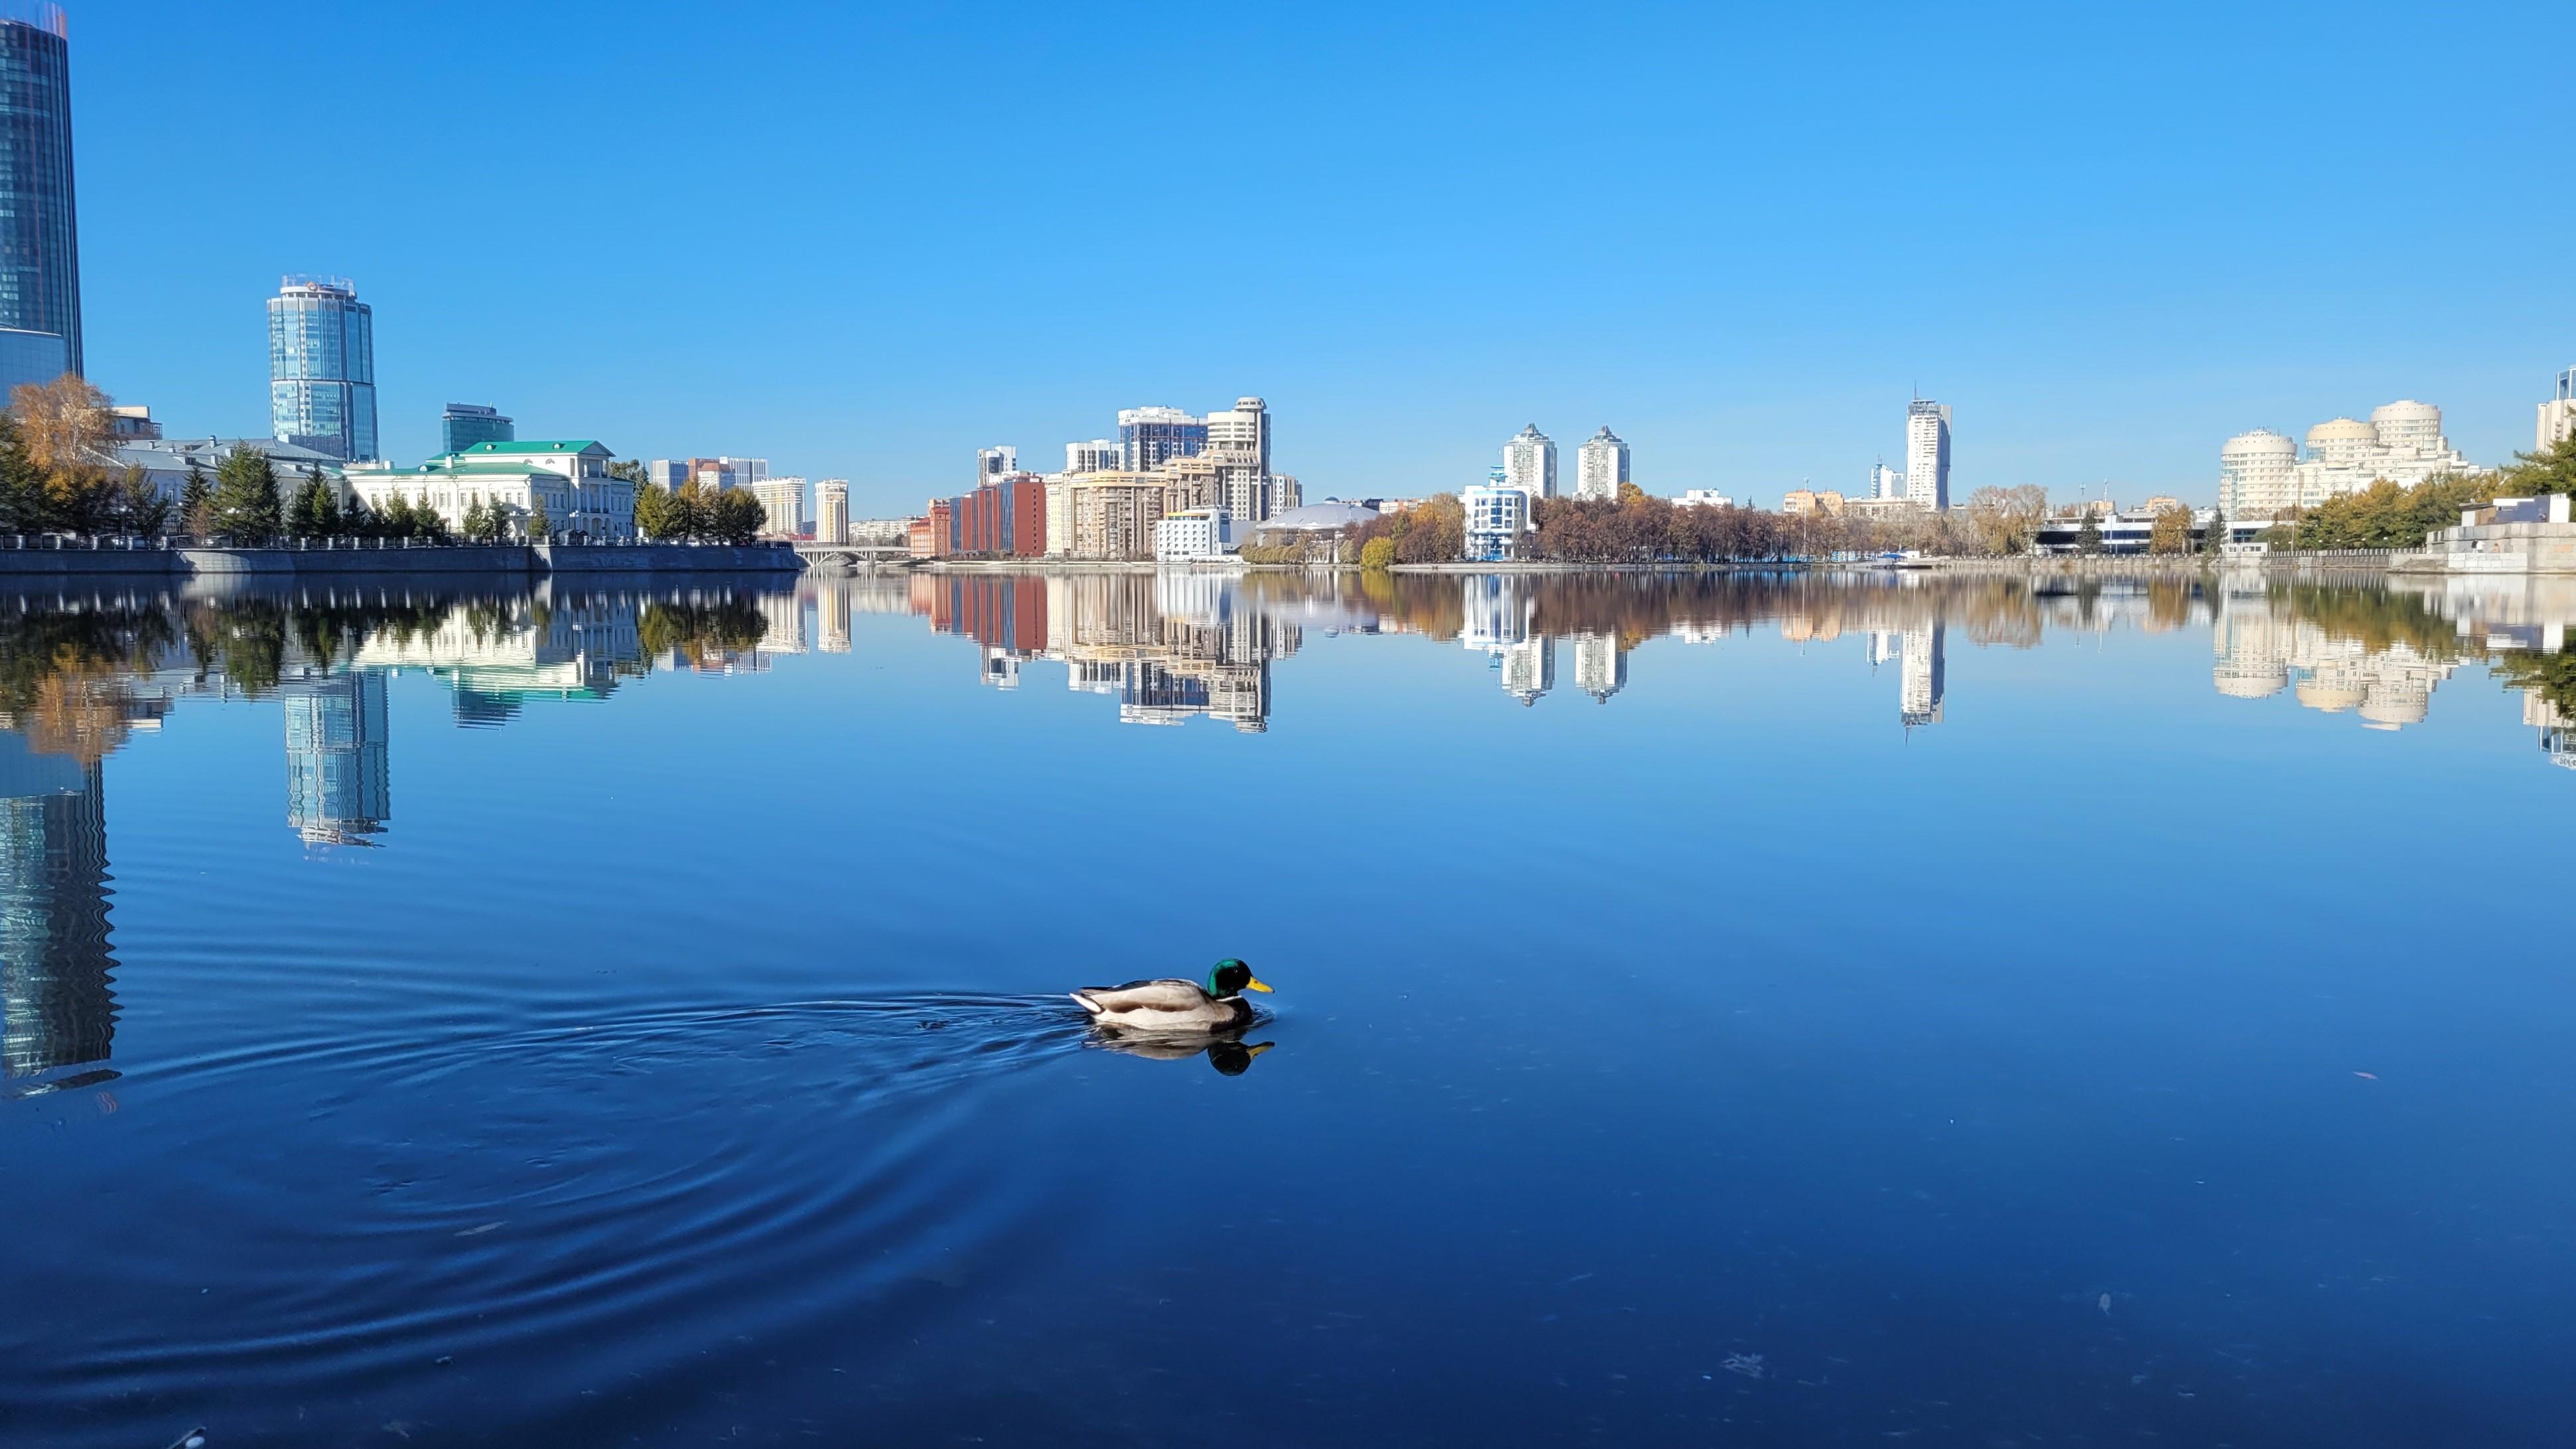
(1168,1005)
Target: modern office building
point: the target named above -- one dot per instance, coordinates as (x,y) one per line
(39,219)
(2262,473)
(56,1006)
(832,511)
(1100,455)
(338,766)
(1600,466)
(1884,482)
(30,357)
(1529,463)
(1150,437)
(322,368)
(465,424)
(1498,515)
(568,478)
(1927,454)
(1193,533)
(2558,415)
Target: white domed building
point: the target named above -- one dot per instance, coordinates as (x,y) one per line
(2258,474)
(2261,473)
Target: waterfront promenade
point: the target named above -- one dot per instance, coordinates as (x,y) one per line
(346,561)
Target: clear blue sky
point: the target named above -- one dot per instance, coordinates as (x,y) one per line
(865,240)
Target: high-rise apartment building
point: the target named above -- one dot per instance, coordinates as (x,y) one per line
(322,368)
(782,505)
(1100,455)
(2258,474)
(1529,463)
(1601,466)
(465,424)
(1885,482)
(2558,415)
(1151,437)
(39,225)
(832,513)
(1243,429)
(718,474)
(1927,454)
(992,465)
(2261,473)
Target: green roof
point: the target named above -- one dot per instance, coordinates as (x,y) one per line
(567,445)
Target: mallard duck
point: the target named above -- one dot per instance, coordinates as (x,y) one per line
(1174,1005)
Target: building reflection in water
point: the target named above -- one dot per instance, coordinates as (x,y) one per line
(1169,646)
(56,1006)
(338,768)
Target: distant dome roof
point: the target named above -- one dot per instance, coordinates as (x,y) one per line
(2261,441)
(2342,430)
(2405,409)
(1318,517)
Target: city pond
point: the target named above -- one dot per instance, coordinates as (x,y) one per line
(1710,1009)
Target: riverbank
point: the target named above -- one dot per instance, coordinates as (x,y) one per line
(530,560)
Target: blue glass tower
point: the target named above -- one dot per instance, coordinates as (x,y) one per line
(322,368)
(39,236)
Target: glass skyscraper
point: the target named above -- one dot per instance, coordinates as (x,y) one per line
(465,424)
(322,368)
(39,236)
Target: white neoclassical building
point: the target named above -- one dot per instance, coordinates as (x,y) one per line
(570,478)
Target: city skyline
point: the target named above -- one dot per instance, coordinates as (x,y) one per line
(1816,330)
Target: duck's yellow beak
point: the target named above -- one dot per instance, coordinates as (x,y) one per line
(1254,1051)
(1257,984)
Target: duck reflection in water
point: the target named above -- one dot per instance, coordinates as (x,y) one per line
(1226,1051)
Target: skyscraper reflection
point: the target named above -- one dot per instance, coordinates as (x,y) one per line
(338,767)
(56,1006)
(1925,681)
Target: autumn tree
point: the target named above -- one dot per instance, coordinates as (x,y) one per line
(2171,532)
(65,422)
(2001,521)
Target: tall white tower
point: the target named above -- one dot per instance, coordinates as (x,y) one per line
(1529,463)
(832,511)
(2258,474)
(1601,466)
(1927,454)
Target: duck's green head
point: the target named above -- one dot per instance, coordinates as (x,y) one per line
(1233,978)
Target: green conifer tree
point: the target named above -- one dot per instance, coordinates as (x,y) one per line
(245,499)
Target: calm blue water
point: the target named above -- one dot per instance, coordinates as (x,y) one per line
(1895,1012)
